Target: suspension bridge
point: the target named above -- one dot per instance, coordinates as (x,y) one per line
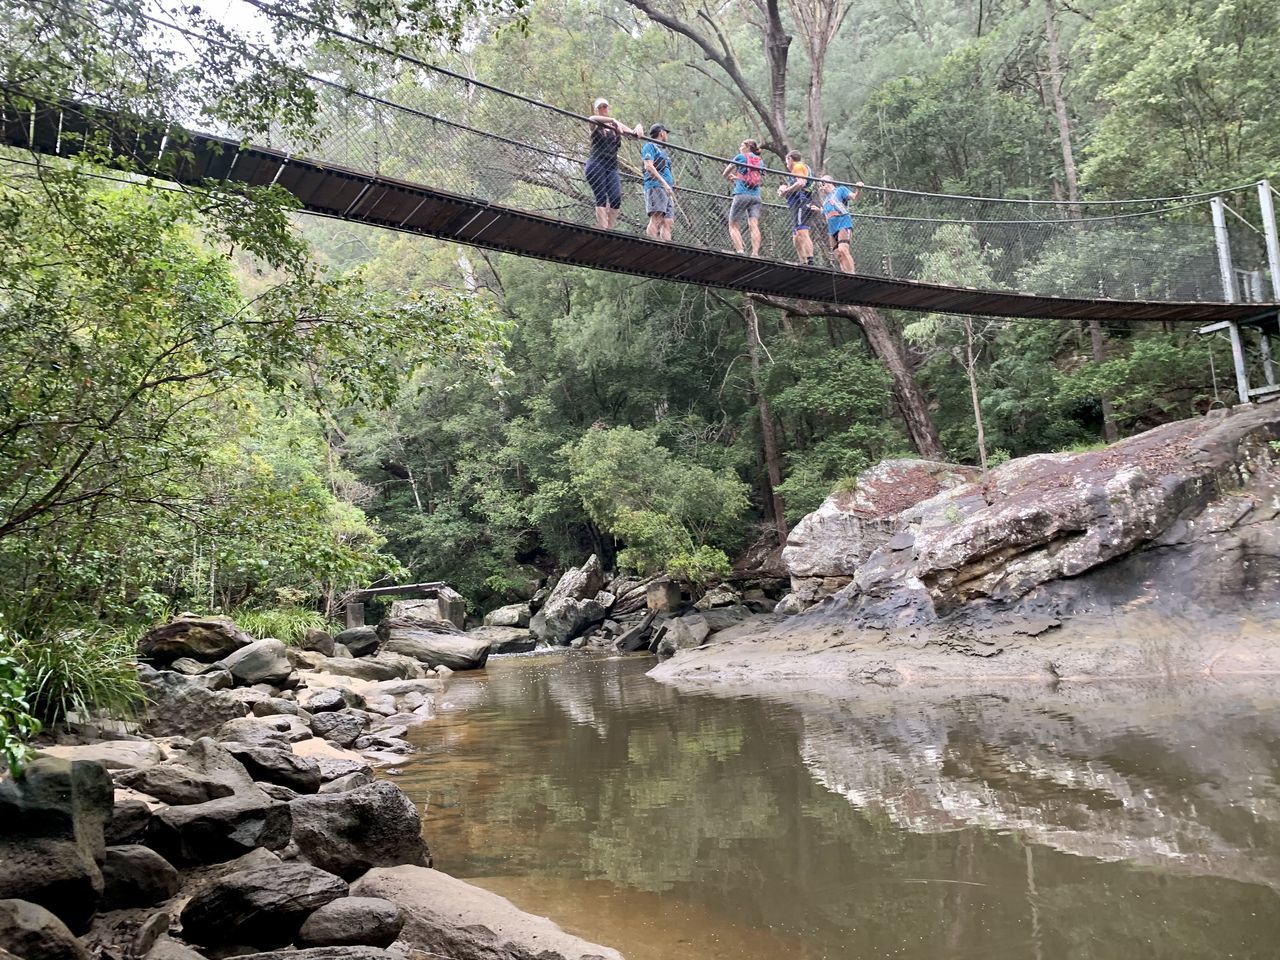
(437,153)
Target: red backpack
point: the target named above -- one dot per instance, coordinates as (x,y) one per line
(754,172)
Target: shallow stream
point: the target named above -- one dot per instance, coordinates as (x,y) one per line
(670,824)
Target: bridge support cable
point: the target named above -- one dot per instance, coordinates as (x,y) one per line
(428,150)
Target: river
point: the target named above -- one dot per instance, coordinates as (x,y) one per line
(670,824)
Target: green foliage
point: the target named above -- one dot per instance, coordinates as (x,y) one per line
(87,672)
(666,509)
(17,725)
(288,624)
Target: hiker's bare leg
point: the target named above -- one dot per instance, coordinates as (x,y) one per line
(804,245)
(602,218)
(653,229)
(755,236)
(735,234)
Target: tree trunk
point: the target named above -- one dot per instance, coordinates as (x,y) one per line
(971,370)
(906,392)
(888,350)
(1063,118)
(768,441)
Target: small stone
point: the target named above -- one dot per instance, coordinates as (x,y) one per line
(276,706)
(359,641)
(323,700)
(347,782)
(279,766)
(129,819)
(166,948)
(150,931)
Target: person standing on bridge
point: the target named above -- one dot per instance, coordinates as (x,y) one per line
(835,207)
(798,192)
(746,171)
(602,163)
(659,185)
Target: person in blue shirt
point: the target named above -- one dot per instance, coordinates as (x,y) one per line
(746,171)
(659,185)
(836,201)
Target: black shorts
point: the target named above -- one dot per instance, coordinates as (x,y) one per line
(606,184)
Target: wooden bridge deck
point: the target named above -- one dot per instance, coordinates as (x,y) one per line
(334,191)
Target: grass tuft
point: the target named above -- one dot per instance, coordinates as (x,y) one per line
(284,623)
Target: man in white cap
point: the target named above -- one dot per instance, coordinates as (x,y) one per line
(602,163)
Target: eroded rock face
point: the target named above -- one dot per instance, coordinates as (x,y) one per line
(220,830)
(1046,520)
(447,606)
(427,642)
(454,919)
(573,605)
(505,639)
(184,706)
(201,638)
(838,537)
(51,836)
(262,661)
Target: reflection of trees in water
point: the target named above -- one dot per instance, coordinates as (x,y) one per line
(1184,791)
(820,823)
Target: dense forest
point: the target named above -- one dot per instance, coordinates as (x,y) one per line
(209,401)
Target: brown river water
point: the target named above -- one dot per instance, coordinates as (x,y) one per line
(669,824)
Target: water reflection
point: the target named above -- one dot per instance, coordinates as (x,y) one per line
(671,824)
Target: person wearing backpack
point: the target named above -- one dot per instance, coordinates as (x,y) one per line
(798,192)
(747,172)
(835,207)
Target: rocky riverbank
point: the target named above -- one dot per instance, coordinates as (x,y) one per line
(244,816)
(1156,557)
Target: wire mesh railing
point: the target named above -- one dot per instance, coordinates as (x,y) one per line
(427,125)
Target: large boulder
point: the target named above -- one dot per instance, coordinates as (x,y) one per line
(382,666)
(838,537)
(272,731)
(277,766)
(429,643)
(683,633)
(342,727)
(220,830)
(561,621)
(512,615)
(347,833)
(572,605)
(263,906)
(353,922)
(136,876)
(318,641)
(505,639)
(51,838)
(451,918)
(182,706)
(359,641)
(201,638)
(205,771)
(263,661)
(112,754)
(30,932)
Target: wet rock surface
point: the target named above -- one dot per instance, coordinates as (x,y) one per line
(1155,556)
(455,919)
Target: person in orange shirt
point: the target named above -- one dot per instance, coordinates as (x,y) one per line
(798,192)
